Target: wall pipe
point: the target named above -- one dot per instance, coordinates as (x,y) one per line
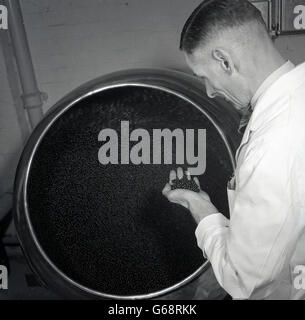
(32,97)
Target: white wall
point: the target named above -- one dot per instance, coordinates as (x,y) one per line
(73,41)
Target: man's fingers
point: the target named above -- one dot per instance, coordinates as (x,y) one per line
(173,194)
(166,189)
(188,175)
(176,196)
(179,195)
(197,182)
(172,176)
(180,173)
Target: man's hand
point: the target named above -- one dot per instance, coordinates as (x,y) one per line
(198,203)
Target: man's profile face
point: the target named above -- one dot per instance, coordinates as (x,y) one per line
(218,83)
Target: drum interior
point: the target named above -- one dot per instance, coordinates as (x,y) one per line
(108,227)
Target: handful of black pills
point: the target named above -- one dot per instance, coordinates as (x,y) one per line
(185,183)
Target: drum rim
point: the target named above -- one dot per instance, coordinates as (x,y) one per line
(34,149)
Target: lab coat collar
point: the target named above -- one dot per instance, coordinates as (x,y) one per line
(266,107)
(270,80)
(273,77)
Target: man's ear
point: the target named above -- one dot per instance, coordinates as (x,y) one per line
(225,60)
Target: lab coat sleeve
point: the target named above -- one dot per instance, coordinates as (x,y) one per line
(249,251)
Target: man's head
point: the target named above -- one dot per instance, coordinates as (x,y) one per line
(226,42)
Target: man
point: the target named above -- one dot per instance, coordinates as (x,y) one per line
(256,253)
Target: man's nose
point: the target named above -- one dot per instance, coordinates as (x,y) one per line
(209,90)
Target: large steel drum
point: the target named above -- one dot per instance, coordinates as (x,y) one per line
(93,230)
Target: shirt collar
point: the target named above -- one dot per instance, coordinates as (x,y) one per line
(274,76)
(263,88)
(273,87)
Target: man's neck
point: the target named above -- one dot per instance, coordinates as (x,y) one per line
(268,63)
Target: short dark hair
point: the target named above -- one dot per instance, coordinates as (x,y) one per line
(215,15)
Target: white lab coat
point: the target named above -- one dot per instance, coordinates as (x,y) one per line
(255,253)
